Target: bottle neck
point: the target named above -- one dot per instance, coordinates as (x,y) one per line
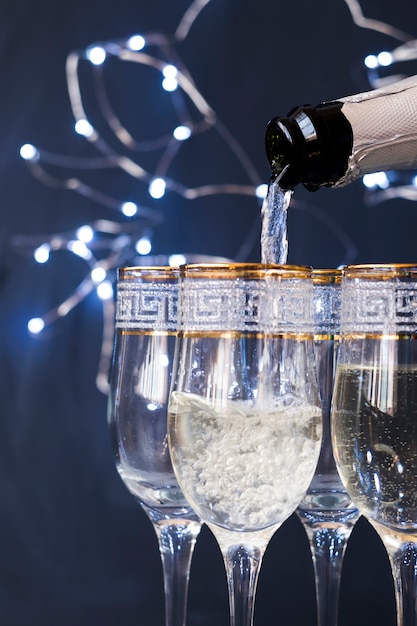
(311,146)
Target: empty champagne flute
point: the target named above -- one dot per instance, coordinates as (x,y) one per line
(374,415)
(244,417)
(327,512)
(146,322)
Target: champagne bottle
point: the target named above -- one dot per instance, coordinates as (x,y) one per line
(337,142)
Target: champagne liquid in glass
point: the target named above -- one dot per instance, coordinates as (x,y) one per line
(243,466)
(377,443)
(244,417)
(374,413)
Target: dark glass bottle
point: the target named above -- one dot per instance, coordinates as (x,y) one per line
(337,142)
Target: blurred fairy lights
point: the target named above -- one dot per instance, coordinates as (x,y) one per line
(104,244)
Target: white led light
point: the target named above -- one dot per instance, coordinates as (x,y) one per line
(143,246)
(41,254)
(29,152)
(157,188)
(85,233)
(98,274)
(84,128)
(371,61)
(151,406)
(261,191)
(181,133)
(80,249)
(96,55)
(176,259)
(129,209)
(169,84)
(376,179)
(136,43)
(385,58)
(170,71)
(105,290)
(414,181)
(36,325)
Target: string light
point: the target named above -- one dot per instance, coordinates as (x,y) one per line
(118,242)
(143,246)
(29,152)
(157,188)
(41,254)
(136,43)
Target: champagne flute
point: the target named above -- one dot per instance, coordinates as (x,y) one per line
(146,320)
(374,415)
(244,417)
(327,512)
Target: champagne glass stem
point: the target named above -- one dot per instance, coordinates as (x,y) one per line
(404,569)
(328,547)
(242,564)
(176,540)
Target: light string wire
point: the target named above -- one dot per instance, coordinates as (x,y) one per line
(118,241)
(107,244)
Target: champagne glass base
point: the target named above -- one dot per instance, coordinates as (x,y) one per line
(328,533)
(176,538)
(402,552)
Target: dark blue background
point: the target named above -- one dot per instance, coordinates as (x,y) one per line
(75,548)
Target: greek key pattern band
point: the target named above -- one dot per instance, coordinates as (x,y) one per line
(376,306)
(326,309)
(146,306)
(224,305)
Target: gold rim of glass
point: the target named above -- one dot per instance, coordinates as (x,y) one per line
(326,276)
(381,271)
(243,270)
(148,272)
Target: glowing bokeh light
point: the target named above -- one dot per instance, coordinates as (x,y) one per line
(385,58)
(98,274)
(143,246)
(85,233)
(176,259)
(83,127)
(170,84)
(376,179)
(261,191)
(42,252)
(96,55)
(157,188)
(29,152)
(170,71)
(136,43)
(80,249)
(371,61)
(36,325)
(129,208)
(181,133)
(105,290)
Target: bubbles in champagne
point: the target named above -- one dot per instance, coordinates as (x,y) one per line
(243,466)
(375,435)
